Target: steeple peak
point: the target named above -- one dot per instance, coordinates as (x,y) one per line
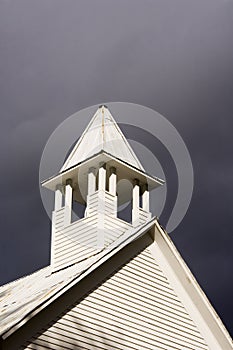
(102,134)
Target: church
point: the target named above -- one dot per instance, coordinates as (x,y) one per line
(113,282)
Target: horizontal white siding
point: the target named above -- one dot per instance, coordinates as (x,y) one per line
(143,216)
(79,240)
(110,204)
(59,219)
(114,228)
(74,242)
(97,200)
(136,308)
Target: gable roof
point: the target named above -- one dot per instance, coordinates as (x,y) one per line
(102,134)
(19,298)
(24,298)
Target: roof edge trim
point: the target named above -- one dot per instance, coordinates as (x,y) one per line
(184,282)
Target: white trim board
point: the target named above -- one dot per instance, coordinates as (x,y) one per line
(189,291)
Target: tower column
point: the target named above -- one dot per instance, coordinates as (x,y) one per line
(91,186)
(102,177)
(135,209)
(112,181)
(101,205)
(145,198)
(58,198)
(68,202)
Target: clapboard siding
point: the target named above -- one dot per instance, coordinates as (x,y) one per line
(82,254)
(59,218)
(99,227)
(117,223)
(78,240)
(114,228)
(97,200)
(74,242)
(135,308)
(143,216)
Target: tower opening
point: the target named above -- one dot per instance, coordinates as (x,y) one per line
(78,211)
(124,212)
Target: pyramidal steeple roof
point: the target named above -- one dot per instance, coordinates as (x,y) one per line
(102,134)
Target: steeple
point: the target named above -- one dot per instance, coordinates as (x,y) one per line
(90,176)
(102,134)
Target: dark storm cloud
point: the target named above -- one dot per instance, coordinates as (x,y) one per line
(174,56)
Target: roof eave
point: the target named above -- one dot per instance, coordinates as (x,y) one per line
(61,177)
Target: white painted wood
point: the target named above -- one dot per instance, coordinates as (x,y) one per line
(69,239)
(143,216)
(102,133)
(53,233)
(102,178)
(145,198)
(68,202)
(114,228)
(74,242)
(82,238)
(125,312)
(146,304)
(58,198)
(188,290)
(91,181)
(112,181)
(135,204)
(57,224)
(101,213)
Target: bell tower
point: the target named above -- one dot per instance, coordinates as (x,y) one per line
(100,159)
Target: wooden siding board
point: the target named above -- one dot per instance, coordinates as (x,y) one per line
(38,347)
(134,329)
(136,314)
(81,240)
(74,242)
(160,312)
(97,342)
(140,271)
(66,262)
(75,236)
(153,300)
(79,225)
(68,238)
(160,330)
(75,251)
(71,246)
(135,308)
(106,322)
(111,329)
(159,286)
(181,333)
(111,337)
(53,343)
(136,304)
(153,269)
(131,319)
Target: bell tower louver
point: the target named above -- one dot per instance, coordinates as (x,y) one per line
(90,175)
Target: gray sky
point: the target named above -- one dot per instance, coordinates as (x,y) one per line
(176,57)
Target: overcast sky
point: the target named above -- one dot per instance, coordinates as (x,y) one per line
(174,56)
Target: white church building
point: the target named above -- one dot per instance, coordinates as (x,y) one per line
(112,284)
